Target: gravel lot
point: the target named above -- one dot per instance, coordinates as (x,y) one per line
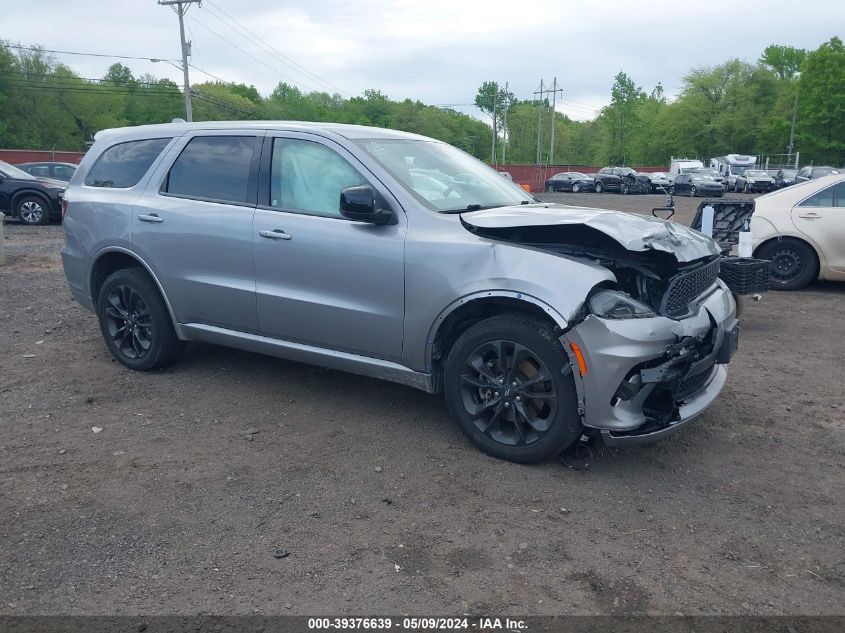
(176,506)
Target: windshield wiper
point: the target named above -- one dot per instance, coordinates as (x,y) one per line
(481,207)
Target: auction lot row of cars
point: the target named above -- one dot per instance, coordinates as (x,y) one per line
(696,181)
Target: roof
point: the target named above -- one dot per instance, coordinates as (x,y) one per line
(352,132)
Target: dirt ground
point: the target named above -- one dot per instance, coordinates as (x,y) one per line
(176,506)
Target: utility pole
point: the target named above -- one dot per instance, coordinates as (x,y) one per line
(181,7)
(493,152)
(540,92)
(505,124)
(554,90)
(792,131)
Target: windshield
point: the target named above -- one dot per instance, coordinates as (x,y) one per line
(658,174)
(627,170)
(702,177)
(759,173)
(790,173)
(13,172)
(442,177)
(737,170)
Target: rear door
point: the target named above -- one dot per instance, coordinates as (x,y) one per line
(821,217)
(321,279)
(194,227)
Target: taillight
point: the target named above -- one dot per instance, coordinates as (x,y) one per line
(64,207)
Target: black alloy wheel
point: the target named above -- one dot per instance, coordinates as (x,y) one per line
(128,322)
(135,321)
(510,389)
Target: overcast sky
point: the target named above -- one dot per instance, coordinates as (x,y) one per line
(437,51)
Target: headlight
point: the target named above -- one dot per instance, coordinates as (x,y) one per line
(611,304)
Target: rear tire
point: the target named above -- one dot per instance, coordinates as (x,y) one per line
(576,188)
(794,263)
(135,321)
(510,389)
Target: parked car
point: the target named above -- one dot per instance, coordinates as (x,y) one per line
(809,173)
(314,242)
(56,171)
(570,181)
(713,173)
(32,200)
(785,177)
(801,229)
(621,179)
(697,185)
(659,181)
(754,181)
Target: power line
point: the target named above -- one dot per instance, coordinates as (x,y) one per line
(248,54)
(48,50)
(279,54)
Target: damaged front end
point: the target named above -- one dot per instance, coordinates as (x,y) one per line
(650,350)
(636,183)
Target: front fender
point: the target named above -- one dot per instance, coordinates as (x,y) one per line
(441,276)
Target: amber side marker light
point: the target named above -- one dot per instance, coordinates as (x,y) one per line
(582,365)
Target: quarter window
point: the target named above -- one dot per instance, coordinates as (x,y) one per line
(121,166)
(213,168)
(307,177)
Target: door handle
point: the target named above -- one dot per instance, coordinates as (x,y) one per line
(275,234)
(152,217)
(810,216)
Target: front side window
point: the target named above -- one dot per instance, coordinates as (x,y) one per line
(121,166)
(829,197)
(40,171)
(307,177)
(213,168)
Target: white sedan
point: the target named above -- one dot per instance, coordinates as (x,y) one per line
(801,230)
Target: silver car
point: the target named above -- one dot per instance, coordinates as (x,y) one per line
(400,257)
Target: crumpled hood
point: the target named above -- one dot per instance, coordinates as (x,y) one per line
(634,232)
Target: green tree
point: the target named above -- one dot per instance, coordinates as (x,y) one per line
(821,110)
(784,60)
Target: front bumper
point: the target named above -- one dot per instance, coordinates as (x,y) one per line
(646,378)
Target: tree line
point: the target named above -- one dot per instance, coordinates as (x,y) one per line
(732,107)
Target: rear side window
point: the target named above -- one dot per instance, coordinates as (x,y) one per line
(213,168)
(830,197)
(121,166)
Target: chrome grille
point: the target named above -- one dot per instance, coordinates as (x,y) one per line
(683,288)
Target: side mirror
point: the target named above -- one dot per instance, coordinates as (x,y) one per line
(359,203)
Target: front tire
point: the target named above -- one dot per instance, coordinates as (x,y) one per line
(32,210)
(693,192)
(794,263)
(510,390)
(599,187)
(135,322)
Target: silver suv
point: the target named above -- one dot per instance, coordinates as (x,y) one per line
(403,258)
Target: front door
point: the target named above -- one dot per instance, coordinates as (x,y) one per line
(821,217)
(321,279)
